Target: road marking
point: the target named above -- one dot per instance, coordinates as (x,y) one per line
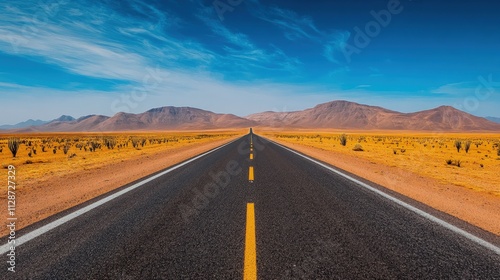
(417,211)
(37,232)
(250,174)
(251,156)
(250,265)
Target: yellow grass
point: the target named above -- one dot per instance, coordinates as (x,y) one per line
(43,165)
(425,154)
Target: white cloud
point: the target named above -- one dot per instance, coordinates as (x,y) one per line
(462,88)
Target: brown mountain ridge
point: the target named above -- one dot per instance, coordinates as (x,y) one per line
(350,115)
(335,115)
(163,118)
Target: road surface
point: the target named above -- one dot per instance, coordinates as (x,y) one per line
(252,211)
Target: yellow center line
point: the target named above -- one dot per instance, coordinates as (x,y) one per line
(250,266)
(251,156)
(250,174)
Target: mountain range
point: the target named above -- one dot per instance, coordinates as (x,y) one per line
(493,119)
(330,115)
(32,122)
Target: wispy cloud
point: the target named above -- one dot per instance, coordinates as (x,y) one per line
(294,26)
(301,27)
(334,47)
(457,89)
(240,52)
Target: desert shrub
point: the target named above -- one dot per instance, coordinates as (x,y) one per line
(28,162)
(110,142)
(66,149)
(457,163)
(343,139)
(14,146)
(135,142)
(458,145)
(93,146)
(467,146)
(358,148)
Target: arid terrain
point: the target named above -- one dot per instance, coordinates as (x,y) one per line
(454,170)
(424,166)
(50,180)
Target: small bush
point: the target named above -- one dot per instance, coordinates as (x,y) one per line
(14,146)
(358,148)
(343,139)
(457,163)
(467,146)
(28,162)
(458,145)
(66,149)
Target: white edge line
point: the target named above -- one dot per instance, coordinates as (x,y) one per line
(422,213)
(39,231)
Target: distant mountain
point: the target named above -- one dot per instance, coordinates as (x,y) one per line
(31,122)
(27,123)
(350,115)
(64,118)
(155,119)
(334,115)
(493,119)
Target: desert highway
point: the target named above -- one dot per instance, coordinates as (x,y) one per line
(253,210)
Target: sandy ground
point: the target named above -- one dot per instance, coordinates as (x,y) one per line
(51,195)
(478,208)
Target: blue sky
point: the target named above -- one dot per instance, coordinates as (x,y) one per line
(245,56)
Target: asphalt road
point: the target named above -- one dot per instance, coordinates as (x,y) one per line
(196,222)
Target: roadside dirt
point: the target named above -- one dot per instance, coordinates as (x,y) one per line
(478,208)
(40,199)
